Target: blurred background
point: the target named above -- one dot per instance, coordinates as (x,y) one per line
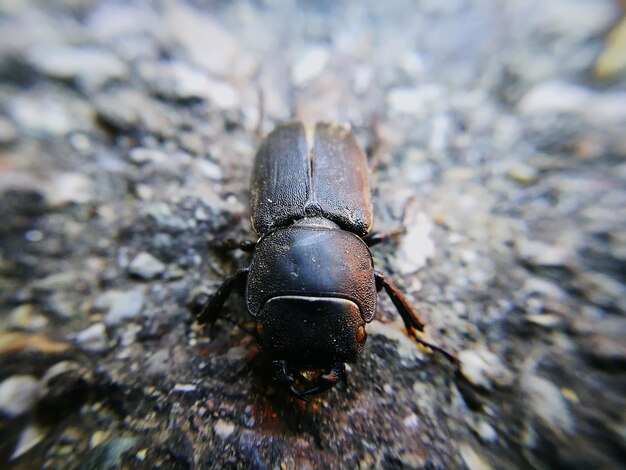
(495,131)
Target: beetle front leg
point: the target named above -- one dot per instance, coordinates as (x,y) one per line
(231,244)
(281,375)
(207,309)
(410,317)
(375,238)
(328,379)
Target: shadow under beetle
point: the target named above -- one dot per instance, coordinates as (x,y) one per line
(311,286)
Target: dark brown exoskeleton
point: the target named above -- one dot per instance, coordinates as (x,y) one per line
(311,286)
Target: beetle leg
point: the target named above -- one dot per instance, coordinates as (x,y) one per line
(231,244)
(410,317)
(328,379)
(281,375)
(207,309)
(375,238)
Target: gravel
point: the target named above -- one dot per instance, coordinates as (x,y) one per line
(495,133)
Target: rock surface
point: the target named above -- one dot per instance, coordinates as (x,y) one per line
(127,134)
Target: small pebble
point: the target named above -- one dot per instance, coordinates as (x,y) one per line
(410,459)
(34,236)
(546,320)
(8,132)
(472,459)
(120,305)
(484,369)
(210,169)
(91,66)
(62,305)
(224,428)
(416,245)
(406,348)
(522,173)
(141,155)
(67,188)
(18,394)
(98,438)
(486,432)
(547,403)
(569,394)
(129,335)
(30,437)
(309,65)
(414,101)
(162,214)
(542,254)
(146,266)
(27,317)
(94,338)
(158,364)
(411,421)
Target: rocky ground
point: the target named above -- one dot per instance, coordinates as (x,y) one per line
(495,129)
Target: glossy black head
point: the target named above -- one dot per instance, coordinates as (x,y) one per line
(311,332)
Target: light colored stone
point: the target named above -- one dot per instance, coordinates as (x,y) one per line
(547,403)
(179,80)
(415,101)
(309,65)
(185,388)
(484,369)
(18,394)
(473,459)
(141,155)
(559,97)
(486,432)
(120,305)
(542,254)
(66,188)
(207,43)
(47,113)
(224,428)
(27,317)
(91,66)
(209,169)
(8,131)
(146,266)
(407,349)
(411,421)
(93,338)
(30,437)
(522,173)
(416,245)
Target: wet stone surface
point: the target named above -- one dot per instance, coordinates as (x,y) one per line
(127,133)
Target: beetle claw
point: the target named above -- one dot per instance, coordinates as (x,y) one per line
(328,379)
(281,375)
(297,394)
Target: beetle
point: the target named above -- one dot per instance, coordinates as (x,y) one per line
(311,286)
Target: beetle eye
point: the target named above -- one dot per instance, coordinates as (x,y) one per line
(360,333)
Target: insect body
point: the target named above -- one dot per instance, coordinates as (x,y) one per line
(311,286)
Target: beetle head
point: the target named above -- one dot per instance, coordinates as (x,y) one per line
(311,332)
